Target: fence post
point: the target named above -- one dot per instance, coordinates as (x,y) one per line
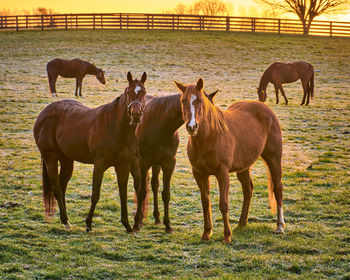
(101,21)
(1,22)
(253,24)
(65,21)
(120,21)
(227,24)
(279,26)
(93,21)
(26,22)
(42,22)
(173,22)
(330,29)
(16,23)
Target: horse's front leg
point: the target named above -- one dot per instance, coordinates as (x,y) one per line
(76,87)
(168,170)
(122,177)
(276,91)
(80,86)
(283,94)
(141,198)
(97,176)
(155,190)
(204,187)
(224,186)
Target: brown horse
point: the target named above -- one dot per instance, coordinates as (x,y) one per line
(158,142)
(221,142)
(74,68)
(67,131)
(279,73)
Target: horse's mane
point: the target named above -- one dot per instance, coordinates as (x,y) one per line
(163,106)
(215,116)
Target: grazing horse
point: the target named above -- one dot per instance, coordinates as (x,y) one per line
(74,68)
(158,142)
(221,142)
(279,73)
(67,131)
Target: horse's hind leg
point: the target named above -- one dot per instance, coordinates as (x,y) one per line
(52,83)
(275,169)
(155,189)
(247,187)
(306,91)
(51,162)
(64,177)
(168,170)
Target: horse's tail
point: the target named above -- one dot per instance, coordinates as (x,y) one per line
(272,198)
(312,84)
(48,196)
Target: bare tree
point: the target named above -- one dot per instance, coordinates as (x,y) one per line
(204,7)
(307,10)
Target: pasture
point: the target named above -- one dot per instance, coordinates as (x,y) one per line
(315,161)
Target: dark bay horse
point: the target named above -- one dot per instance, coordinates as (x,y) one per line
(279,73)
(67,131)
(221,142)
(158,142)
(74,68)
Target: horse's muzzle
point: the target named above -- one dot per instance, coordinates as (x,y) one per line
(192,130)
(135,111)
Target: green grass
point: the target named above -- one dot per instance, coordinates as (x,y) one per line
(315,164)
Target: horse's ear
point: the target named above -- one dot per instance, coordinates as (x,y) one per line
(199,84)
(180,86)
(144,77)
(212,95)
(129,76)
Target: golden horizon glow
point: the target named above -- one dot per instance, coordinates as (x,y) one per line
(238,7)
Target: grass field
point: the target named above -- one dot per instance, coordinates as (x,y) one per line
(315,164)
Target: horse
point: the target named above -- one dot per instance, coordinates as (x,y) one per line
(74,68)
(221,142)
(279,73)
(158,140)
(67,131)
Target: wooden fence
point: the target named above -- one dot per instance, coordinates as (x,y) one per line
(171,22)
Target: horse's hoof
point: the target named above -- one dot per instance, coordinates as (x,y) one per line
(227,240)
(67,225)
(169,230)
(280,231)
(88,229)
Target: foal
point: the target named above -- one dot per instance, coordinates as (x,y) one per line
(280,73)
(74,68)
(158,140)
(67,131)
(221,142)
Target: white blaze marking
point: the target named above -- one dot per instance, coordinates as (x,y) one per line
(137,89)
(193,113)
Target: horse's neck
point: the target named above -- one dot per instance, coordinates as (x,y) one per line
(265,79)
(118,120)
(212,122)
(173,119)
(91,69)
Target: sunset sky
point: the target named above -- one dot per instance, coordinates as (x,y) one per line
(239,7)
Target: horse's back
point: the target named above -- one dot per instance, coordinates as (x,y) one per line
(66,68)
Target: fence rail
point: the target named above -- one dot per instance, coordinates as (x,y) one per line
(170,22)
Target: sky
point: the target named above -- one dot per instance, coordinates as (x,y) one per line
(239,7)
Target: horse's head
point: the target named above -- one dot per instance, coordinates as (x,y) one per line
(262,95)
(101,76)
(136,97)
(192,99)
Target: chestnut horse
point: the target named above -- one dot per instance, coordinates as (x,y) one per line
(74,68)
(67,131)
(279,73)
(221,142)
(158,142)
